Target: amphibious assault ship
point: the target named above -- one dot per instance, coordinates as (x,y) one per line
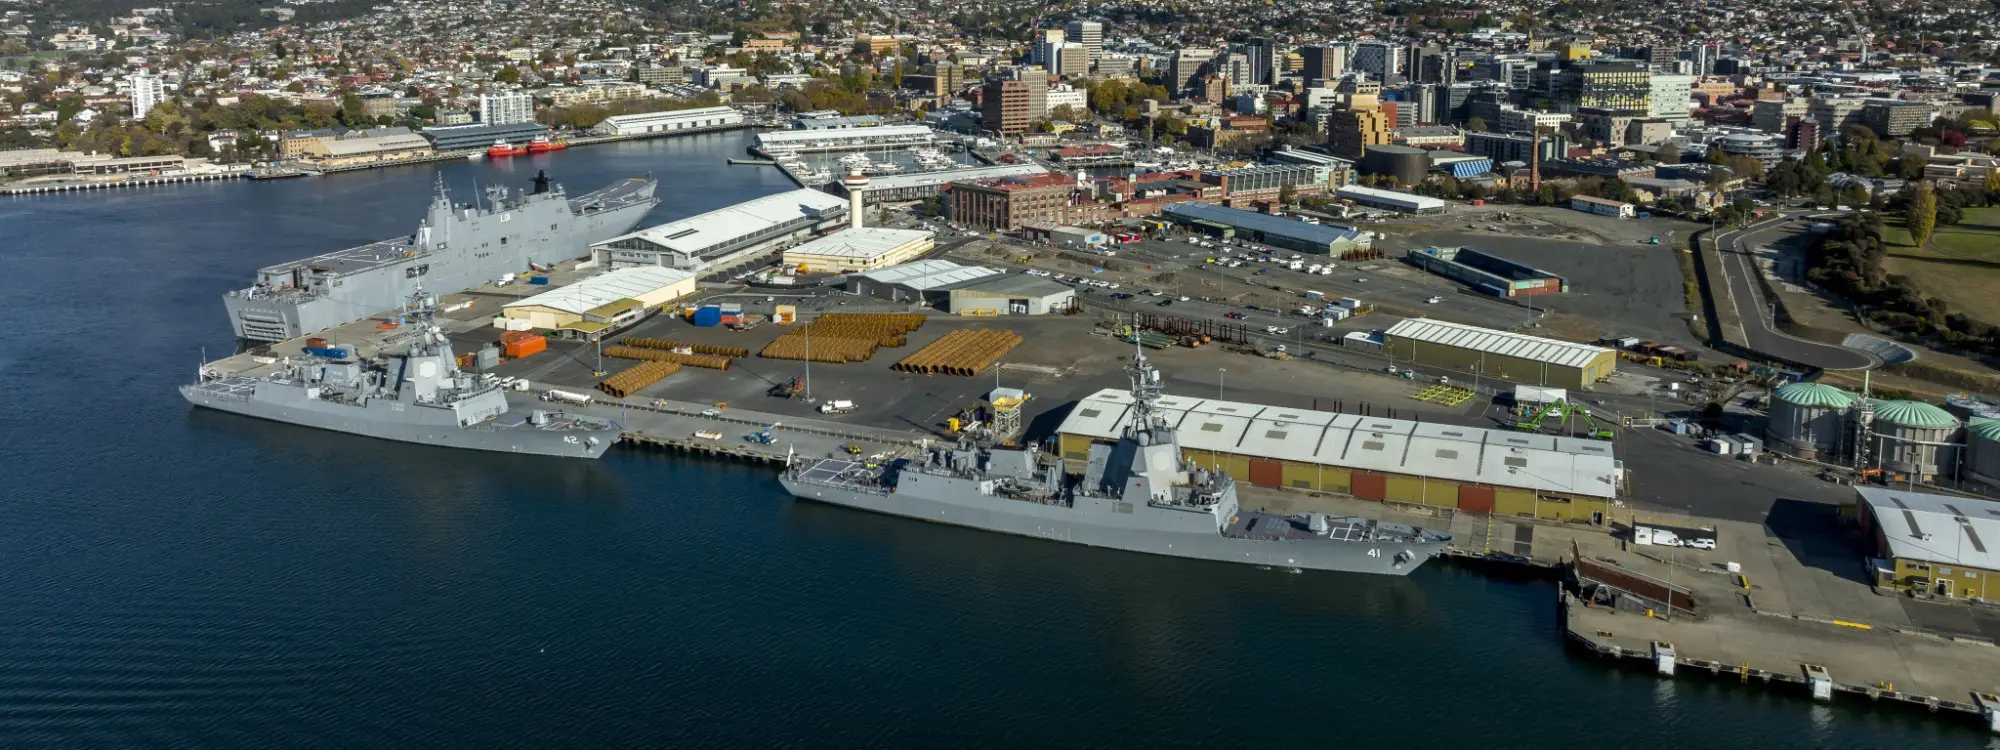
(1138,495)
(456,247)
(416,395)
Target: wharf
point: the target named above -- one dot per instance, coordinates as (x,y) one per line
(69,186)
(670,426)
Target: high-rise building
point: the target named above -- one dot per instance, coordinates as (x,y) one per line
(1350,131)
(1378,59)
(1609,85)
(1071,59)
(1090,34)
(1833,114)
(1046,41)
(1669,97)
(1003,105)
(1773,115)
(1238,70)
(1186,63)
(1505,147)
(1420,105)
(147,92)
(1214,88)
(1263,61)
(941,78)
(506,108)
(1036,82)
(1323,63)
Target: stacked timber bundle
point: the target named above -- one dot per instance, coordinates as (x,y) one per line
(629,381)
(844,337)
(715,349)
(709,361)
(963,353)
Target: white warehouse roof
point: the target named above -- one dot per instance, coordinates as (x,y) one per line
(603,289)
(863,244)
(928,274)
(722,226)
(1936,528)
(1451,452)
(1391,197)
(1502,343)
(884,132)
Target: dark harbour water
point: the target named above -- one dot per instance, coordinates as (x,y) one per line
(173,578)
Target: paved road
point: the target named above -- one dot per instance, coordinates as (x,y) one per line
(1739,274)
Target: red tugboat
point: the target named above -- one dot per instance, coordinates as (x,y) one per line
(503,148)
(541,145)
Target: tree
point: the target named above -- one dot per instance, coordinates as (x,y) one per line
(508,75)
(1287,195)
(1476,124)
(1667,153)
(1992,182)
(1921,215)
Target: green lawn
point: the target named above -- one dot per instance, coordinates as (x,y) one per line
(1961,265)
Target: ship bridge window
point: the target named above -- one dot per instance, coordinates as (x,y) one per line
(503,240)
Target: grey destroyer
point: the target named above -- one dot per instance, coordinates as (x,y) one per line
(1138,495)
(416,394)
(456,247)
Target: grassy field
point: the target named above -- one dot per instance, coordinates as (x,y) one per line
(1961,264)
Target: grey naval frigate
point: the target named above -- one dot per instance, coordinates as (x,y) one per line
(1138,495)
(456,247)
(416,394)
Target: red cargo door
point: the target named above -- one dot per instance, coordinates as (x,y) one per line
(1267,473)
(1475,499)
(1370,486)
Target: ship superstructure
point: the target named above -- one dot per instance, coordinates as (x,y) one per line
(1139,494)
(455,247)
(416,394)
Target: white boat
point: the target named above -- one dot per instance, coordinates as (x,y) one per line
(476,156)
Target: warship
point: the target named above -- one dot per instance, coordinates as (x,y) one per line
(456,247)
(1138,495)
(415,395)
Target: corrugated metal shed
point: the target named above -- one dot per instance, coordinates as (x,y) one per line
(723,226)
(1316,234)
(598,291)
(928,274)
(1936,528)
(1502,343)
(1391,446)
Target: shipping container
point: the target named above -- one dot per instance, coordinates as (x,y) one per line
(708,316)
(315,342)
(328,352)
(538,280)
(518,344)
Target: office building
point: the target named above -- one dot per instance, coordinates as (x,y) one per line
(1771,115)
(1003,107)
(1323,63)
(1380,60)
(937,79)
(1072,60)
(1006,203)
(1185,65)
(1832,115)
(1263,61)
(1609,85)
(1350,131)
(506,108)
(1894,118)
(1669,97)
(1046,41)
(1090,34)
(147,92)
(1506,147)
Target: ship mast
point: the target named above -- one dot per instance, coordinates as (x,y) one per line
(1146,389)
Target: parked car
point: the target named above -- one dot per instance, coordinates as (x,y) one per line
(1234,315)
(1165,302)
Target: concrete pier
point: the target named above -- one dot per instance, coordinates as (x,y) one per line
(85,185)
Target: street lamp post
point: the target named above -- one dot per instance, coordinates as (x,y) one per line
(1221,375)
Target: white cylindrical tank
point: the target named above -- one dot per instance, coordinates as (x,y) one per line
(1982,462)
(1807,420)
(1916,438)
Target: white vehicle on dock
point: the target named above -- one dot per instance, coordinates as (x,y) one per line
(707,435)
(571,397)
(836,407)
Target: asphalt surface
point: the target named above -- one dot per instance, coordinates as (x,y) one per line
(1739,272)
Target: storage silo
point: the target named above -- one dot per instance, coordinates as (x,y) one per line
(1808,420)
(1982,462)
(1916,438)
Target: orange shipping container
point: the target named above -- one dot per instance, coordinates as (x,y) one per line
(514,336)
(519,348)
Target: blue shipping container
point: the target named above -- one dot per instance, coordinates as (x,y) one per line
(331,352)
(708,316)
(538,280)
